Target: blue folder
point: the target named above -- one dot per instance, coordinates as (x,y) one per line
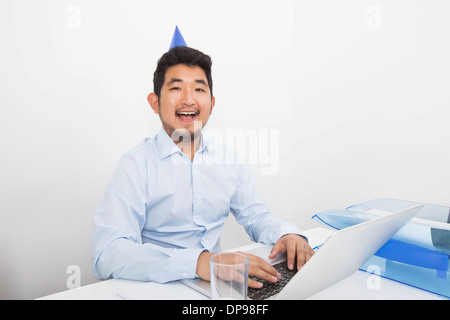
(418,255)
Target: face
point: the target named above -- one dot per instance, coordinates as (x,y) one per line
(185,99)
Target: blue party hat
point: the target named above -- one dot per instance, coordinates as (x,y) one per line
(177,39)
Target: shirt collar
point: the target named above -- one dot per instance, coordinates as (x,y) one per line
(167,147)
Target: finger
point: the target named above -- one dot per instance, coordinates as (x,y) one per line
(264,274)
(310,253)
(277,248)
(261,268)
(238,277)
(230,275)
(291,253)
(260,265)
(303,255)
(254,284)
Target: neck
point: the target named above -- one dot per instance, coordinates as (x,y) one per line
(189,147)
(188,142)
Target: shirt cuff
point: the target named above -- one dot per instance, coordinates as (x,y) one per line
(185,261)
(289,228)
(297,233)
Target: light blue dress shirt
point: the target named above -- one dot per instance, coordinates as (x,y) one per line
(161,210)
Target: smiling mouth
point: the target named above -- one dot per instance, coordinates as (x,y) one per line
(187,115)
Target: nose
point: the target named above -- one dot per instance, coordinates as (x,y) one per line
(187,98)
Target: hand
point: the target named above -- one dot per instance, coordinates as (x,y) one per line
(258,267)
(294,245)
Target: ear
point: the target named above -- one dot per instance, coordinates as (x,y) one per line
(153,100)
(213,103)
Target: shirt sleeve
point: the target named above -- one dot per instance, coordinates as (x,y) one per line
(260,224)
(117,249)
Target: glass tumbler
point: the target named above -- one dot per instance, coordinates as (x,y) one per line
(229,276)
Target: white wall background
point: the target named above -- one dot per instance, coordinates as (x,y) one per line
(357,90)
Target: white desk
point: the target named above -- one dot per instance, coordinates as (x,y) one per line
(353,287)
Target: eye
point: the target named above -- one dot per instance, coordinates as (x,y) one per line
(175,88)
(200,90)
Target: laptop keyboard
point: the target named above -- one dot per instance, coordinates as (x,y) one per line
(269,289)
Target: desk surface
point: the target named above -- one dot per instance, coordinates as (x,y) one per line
(354,287)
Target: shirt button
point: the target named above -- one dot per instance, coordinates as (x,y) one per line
(184,274)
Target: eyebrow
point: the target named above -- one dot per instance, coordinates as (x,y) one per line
(201,81)
(174,80)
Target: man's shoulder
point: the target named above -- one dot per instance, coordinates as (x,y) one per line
(142,150)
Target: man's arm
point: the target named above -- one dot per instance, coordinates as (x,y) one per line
(263,226)
(257,267)
(296,247)
(118,251)
(254,215)
(125,259)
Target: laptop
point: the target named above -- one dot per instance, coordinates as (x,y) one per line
(343,253)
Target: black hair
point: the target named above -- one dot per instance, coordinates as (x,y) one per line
(181,55)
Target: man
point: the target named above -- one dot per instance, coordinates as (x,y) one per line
(162,213)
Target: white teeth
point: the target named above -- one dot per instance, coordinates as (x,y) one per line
(187,113)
